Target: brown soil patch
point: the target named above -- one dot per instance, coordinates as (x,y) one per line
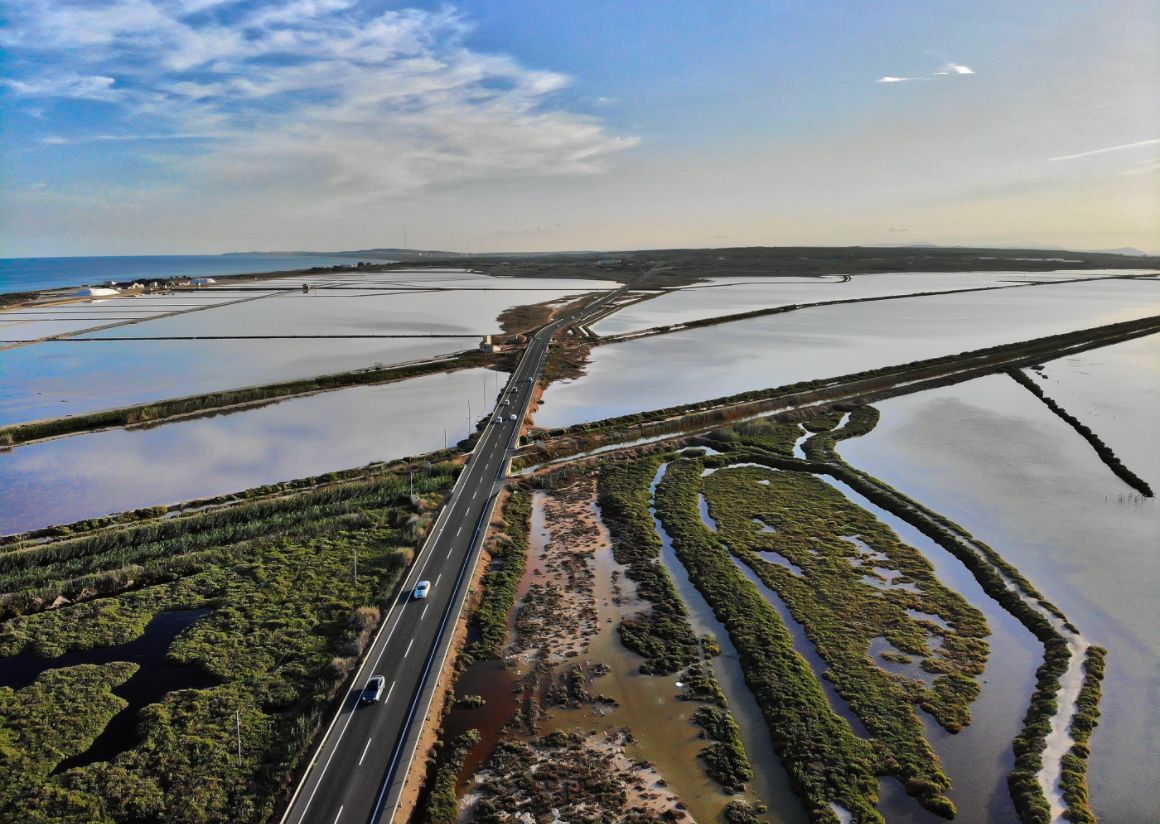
(572,777)
(557,615)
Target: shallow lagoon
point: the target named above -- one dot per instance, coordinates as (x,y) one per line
(828,341)
(1116,391)
(345,313)
(725,296)
(39,321)
(56,378)
(69,479)
(993,458)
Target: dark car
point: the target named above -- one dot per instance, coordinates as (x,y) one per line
(373,691)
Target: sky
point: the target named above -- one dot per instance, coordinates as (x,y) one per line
(202,126)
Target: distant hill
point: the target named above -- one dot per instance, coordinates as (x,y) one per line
(373,254)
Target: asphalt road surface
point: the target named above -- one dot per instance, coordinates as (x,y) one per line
(357,773)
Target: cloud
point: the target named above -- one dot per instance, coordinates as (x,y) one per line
(1145,169)
(1139,144)
(947,70)
(95,87)
(363,104)
(954,68)
(57,140)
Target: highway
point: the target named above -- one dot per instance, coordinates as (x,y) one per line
(357,773)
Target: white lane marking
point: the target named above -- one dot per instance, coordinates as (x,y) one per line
(458,531)
(339,814)
(409,643)
(392,689)
(437,579)
(364,755)
(450,551)
(423,614)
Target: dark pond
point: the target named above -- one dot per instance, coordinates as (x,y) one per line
(156,677)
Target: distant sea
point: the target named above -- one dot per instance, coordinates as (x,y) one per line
(28,274)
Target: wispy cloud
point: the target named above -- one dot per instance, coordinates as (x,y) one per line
(360,103)
(1139,144)
(947,70)
(94,87)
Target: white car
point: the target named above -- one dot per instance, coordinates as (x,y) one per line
(511,417)
(421,589)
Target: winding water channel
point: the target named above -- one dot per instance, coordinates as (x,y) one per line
(155,677)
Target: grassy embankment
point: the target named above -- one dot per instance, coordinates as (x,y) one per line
(994,575)
(661,635)
(509,557)
(841,615)
(287,623)
(825,760)
(769,443)
(488,617)
(163,411)
(1074,778)
(865,386)
(725,759)
(1102,449)
(1022,600)
(442,805)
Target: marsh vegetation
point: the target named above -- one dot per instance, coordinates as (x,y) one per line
(288,617)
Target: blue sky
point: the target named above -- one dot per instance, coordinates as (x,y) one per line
(155,126)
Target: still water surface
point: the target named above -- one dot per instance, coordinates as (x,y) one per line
(58,378)
(69,479)
(1116,391)
(724,296)
(828,341)
(990,456)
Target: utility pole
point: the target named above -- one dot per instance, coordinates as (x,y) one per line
(445,439)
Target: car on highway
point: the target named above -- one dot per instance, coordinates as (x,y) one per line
(421,589)
(531,379)
(373,691)
(511,417)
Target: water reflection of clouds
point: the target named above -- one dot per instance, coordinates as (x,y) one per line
(781,349)
(92,375)
(112,471)
(295,313)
